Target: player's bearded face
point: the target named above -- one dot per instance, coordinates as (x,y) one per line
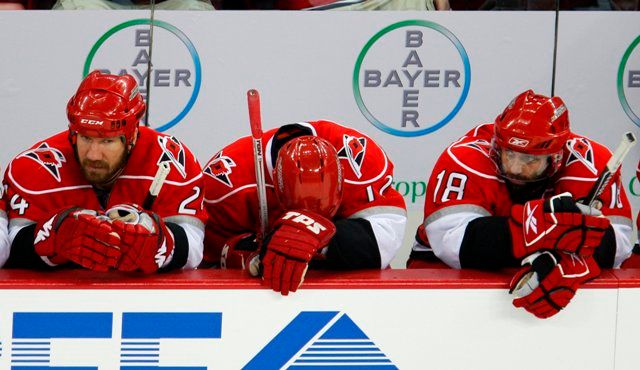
(100,158)
(521,168)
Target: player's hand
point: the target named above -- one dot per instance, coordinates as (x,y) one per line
(147,243)
(557,223)
(297,237)
(548,281)
(80,236)
(241,252)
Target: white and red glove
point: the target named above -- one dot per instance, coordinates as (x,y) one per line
(80,236)
(241,252)
(557,223)
(298,236)
(147,243)
(548,281)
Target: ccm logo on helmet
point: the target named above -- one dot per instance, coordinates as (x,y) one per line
(312,225)
(91,121)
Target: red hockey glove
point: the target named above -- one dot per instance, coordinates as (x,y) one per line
(548,281)
(557,223)
(241,252)
(79,236)
(147,243)
(297,237)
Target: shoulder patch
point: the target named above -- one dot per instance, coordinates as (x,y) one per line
(49,158)
(481,145)
(580,151)
(220,168)
(172,152)
(353,150)
(474,156)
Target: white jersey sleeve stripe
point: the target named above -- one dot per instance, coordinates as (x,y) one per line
(446,233)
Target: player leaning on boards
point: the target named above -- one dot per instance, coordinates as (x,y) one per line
(75,196)
(332,206)
(507,192)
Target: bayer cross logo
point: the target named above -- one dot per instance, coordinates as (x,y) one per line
(628,81)
(175,74)
(411,78)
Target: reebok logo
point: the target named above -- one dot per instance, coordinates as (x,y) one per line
(518,142)
(531,223)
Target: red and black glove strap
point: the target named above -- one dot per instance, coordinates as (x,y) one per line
(23,252)
(180,248)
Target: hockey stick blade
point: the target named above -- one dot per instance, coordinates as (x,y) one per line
(628,141)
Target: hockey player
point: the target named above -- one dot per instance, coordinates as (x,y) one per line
(4,233)
(510,191)
(76,196)
(329,197)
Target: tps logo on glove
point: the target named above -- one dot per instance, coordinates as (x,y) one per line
(311,224)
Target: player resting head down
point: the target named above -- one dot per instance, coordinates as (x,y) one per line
(330,204)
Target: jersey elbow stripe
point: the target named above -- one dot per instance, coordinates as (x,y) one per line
(220,199)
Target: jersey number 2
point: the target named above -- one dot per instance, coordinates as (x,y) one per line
(184,205)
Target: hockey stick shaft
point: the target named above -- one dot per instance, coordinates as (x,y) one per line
(151,21)
(628,140)
(156,185)
(253,101)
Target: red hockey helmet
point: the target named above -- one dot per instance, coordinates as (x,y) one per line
(535,125)
(308,176)
(106,106)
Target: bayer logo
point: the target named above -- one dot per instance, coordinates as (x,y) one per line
(175,74)
(411,78)
(628,81)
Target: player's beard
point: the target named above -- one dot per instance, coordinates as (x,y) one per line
(99,173)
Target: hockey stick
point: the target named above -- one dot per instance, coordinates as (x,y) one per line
(628,140)
(156,184)
(151,20)
(253,101)
(531,280)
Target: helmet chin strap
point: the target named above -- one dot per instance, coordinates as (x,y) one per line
(109,182)
(522,193)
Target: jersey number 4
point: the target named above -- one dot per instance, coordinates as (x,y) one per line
(455,186)
(18,203)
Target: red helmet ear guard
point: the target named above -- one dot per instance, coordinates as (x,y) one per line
(308,175)
(534,124)
(106,106)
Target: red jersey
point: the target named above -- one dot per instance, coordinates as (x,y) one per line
(230,189)
(47,178)
(466,181)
